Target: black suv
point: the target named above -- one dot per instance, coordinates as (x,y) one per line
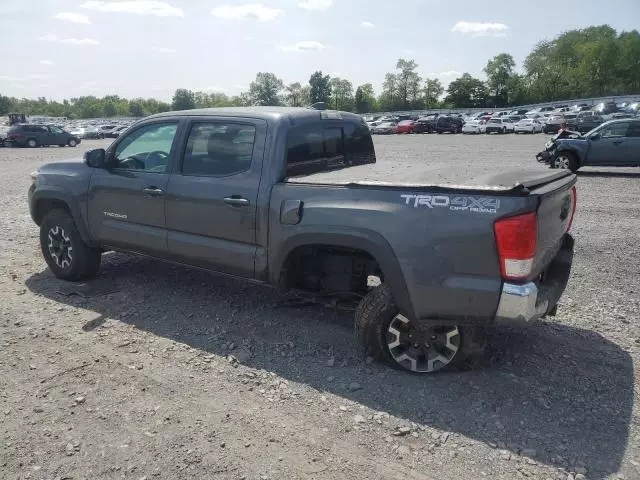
(34,135)
(448,124)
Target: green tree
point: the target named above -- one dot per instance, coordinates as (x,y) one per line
(320,88)
(467,92)
(183,99)
(342,94)
(499,71)
(408,83)
(265,89)
(109,109)
(365,100)
(433,90)
(294,94)
(135,108)
(6,104)
(389,98)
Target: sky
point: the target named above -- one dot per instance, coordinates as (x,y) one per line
(148,48)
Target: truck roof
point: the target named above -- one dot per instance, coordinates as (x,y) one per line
(271,114)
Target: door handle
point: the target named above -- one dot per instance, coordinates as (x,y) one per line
(617,142)
(236,201)
(153,191)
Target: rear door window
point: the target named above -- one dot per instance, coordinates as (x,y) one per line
(317,147)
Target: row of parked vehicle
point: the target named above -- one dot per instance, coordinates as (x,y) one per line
(41,135)
(579,118)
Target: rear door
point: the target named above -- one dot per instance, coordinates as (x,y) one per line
(57,136)
(127,201)
(212,198)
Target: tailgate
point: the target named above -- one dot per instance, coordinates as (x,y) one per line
(555,213)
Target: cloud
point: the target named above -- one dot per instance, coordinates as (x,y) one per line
(249,11)
(476,29)
(37,76)
(80,41)
(367,25)
(306,46)
(163,50)
(140,7)
(52,38)
(46,62)
(73,17)
(213,89)
(8,78)
(315,4)
(31,76)
(446,73)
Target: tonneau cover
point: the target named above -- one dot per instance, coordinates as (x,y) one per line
(518,181)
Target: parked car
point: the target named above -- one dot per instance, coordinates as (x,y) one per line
(585,122)
(3,134)
(554,122)
(305,211)
(528,125)
(426,124)
(448,124)
(116,132)
(499,125)
(384,128)
(35,135)
(405,126)
(474,126)
(615,143)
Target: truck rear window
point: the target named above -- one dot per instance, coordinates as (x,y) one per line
(320,147)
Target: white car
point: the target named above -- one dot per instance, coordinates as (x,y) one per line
(528,125)
(474,126)
(384,128)
(498,125)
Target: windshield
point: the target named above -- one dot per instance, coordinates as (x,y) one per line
(495,120)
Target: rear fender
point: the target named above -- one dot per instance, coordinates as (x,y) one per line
(371,242)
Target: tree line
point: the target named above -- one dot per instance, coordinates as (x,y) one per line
(595,61)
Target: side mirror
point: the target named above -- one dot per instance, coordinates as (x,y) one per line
(96,158)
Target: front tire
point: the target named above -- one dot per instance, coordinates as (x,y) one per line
(72,142)
(566,160)
(32,143)
(66,254)
(391,338)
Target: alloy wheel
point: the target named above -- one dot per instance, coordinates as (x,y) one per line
(60,247)
(561,161)
(421,349)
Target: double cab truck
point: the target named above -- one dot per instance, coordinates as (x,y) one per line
(294,198)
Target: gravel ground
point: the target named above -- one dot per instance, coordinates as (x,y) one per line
(168,373)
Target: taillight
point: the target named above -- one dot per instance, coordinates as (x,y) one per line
(574,202)
(517,240)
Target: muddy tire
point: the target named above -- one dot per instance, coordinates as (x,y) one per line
(390,338)
(66,254)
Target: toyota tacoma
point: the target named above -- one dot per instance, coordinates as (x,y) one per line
(293,198)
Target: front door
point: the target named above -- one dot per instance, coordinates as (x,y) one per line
(609,149)
(212,197)
(57,136)
(127,201)
(632,145)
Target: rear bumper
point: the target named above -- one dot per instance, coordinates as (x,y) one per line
(534,300)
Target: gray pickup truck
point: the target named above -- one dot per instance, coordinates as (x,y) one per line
(294,198)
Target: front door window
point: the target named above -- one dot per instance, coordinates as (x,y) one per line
(146,148)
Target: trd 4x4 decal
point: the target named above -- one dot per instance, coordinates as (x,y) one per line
(458,203)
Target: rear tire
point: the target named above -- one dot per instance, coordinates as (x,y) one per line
(32,143)
(72,142)
(66,254)
(387,336)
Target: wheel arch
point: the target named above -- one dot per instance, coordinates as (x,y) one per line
(43,202)
(366,241)
(570,151)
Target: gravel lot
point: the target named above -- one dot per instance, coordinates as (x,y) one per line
(133,379)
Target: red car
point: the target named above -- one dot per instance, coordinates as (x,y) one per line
(405,126)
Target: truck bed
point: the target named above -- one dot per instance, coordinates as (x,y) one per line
(422,176)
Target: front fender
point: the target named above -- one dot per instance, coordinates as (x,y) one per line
(38,197)
(371,242)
